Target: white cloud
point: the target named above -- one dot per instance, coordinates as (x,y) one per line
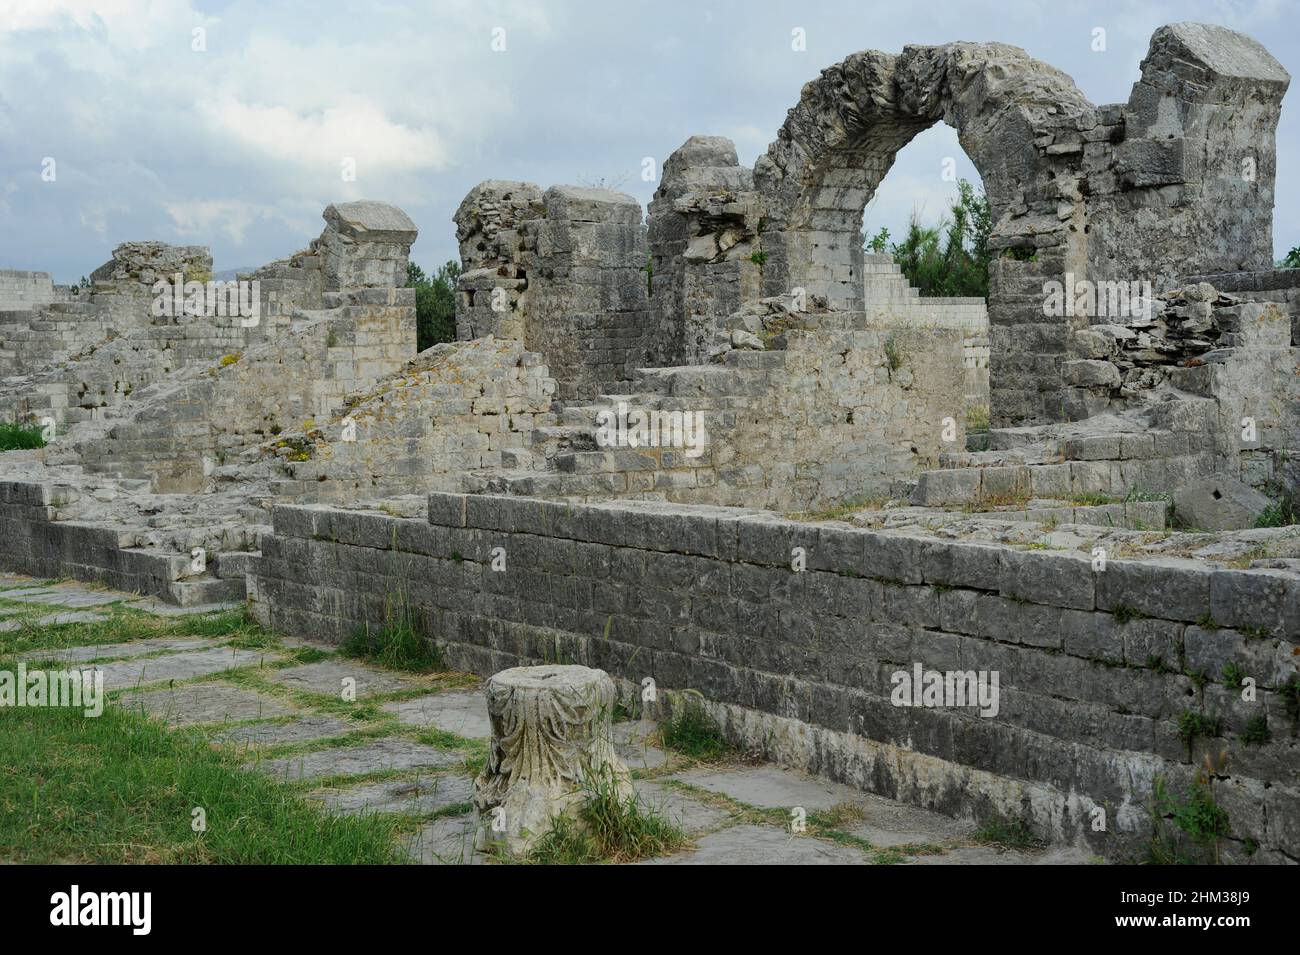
(355,129)
(240,146)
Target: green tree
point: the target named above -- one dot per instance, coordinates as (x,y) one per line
(435,303)
(950,258)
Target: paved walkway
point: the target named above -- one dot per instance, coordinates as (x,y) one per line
(361,739)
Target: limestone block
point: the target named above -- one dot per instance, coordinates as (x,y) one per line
(1218,503)
(551,736)
(1090,373)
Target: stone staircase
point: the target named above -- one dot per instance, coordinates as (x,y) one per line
(66,522)
(566,460)
(1109,467)
(885,286)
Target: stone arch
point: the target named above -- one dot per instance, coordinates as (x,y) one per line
(1076,190)
(840,139)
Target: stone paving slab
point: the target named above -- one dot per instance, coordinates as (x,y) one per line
(382,754)
(160,608)
(419,796)
(630,743)
(770,787)
(445,841)
(305,730)
(76,597)
(326,677)
(763,845)
(114,651)
(52,620)
(887,823)
(19,593)
(689,815)
(463,712)
(988,855)
(206,703)
(175,666)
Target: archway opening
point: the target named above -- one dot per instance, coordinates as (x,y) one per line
(926,257)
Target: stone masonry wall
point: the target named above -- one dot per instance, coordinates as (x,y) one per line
(798,665)
(1283,287)
(23,290)
(834,410)
(565,272)
(176,433)
(454,409)
(1075,190)
(703,245)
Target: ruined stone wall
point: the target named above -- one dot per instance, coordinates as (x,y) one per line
(1281,286)
(79,360)
(799,665)
(455,409)
(889,299)
(365,244)
(164,396)
(24,290)
(830,410)
(704,248)
(565,272)
(1188,185)
(178,431)
(1075,190)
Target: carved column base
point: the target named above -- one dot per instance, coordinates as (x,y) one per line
(550,735)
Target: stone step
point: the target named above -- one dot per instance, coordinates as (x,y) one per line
(195,591)
(609,461)
(234,563)
(517,483)
(960,486)
(1134,515)
(569,437)
(1017,457)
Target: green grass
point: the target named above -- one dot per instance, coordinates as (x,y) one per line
(1123,613)
(1233,674)
(1186,829)
(1192,724)
(691,732)
(1256,732)
(1092,499)
(15,436)
(1284,509)
(399,644)
(893,352)
(1008,834)
(610,827)
(121,789)
(125,624)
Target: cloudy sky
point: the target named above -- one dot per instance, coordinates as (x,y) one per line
(240,145)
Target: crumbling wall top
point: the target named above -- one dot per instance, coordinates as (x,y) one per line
(374,221)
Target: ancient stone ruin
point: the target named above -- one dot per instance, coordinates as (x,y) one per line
(723,448)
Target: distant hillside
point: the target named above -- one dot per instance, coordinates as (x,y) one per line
(229,275)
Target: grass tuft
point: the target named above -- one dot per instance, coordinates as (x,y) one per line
(399,644)
(18,437)
(1008,834)
(691,732)
(610,827)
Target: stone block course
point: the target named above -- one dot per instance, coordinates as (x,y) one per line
(1084,691)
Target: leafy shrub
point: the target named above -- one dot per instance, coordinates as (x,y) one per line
(435,303)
